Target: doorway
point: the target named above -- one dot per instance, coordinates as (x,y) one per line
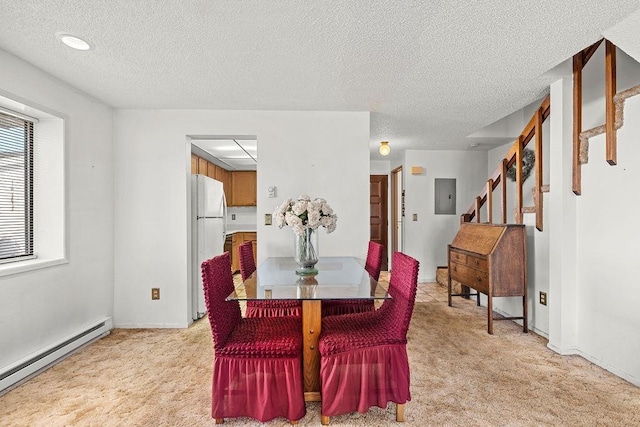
(378,217)
(397,210)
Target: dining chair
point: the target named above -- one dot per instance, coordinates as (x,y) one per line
(263,308)
(373,264)
(255,359)
(363,357)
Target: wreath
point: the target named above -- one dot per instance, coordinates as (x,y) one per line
(528,160)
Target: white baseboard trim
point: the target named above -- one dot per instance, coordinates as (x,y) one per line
(607,367)
(153,325)
(30,366)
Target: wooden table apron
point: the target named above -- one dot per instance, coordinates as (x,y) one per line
(311,327)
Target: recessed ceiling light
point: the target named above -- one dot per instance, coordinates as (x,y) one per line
(474,145)
(74,42)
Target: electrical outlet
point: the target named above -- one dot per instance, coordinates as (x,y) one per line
(233,217)
(155,293)
(543,298)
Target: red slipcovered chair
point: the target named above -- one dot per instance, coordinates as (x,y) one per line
(363,357)
(263,308)
(257,366)
(348,306)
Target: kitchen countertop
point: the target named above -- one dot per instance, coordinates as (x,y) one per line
(241,228)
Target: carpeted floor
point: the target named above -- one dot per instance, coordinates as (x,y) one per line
(460,376)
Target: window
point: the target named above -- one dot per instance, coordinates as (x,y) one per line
(16,188)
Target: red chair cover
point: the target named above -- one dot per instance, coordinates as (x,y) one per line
(263,308)
(257,367)
(247,261)
(349,306)
(374,259)
(363,359)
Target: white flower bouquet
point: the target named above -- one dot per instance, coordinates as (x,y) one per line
(304,213)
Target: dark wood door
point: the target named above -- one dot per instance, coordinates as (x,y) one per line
(378,213)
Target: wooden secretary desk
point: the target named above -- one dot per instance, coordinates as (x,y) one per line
(492,259)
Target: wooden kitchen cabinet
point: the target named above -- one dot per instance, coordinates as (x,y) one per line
(224,176)
(194,164)
(211,170)
(202,166)
(237,239)
(243,188)
(240,187)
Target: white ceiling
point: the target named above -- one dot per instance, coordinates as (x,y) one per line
(430,72)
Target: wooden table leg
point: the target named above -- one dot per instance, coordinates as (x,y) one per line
(311,324)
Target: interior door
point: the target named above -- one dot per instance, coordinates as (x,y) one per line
(378,218)
(397,210)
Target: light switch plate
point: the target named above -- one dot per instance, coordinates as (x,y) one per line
(415,217)
(267,219)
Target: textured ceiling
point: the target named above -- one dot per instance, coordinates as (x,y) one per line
(430,72)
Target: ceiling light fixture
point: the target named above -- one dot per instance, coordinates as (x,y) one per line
(74,42)
(384,148)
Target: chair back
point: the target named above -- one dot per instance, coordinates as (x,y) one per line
(403,285)
(218,284)
(247,261)
(374,259)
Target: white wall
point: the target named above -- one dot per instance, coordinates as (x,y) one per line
(607,227)
(537,241)
(587,252)
(427,238)
(40,307)
(380,167)
(322,154)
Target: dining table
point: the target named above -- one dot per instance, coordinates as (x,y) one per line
(337,278)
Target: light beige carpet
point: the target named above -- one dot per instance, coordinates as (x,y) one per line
(460,376)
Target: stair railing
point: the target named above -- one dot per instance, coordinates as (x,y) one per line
(514,157)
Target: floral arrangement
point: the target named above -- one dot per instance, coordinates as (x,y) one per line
(304,213)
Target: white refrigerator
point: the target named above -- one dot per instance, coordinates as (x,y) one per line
(208,227)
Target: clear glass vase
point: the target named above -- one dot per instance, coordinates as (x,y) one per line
(305,251)
(307,285)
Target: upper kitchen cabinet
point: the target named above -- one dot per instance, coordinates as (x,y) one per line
(211,170)
(243,188)
(202,166)
(224,176)
(194,163)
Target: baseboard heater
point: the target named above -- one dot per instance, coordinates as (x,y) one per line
(35,363)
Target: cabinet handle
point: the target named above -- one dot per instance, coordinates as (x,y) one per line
(311,331)
(312,347)
(477,262)
(455,268)
(479,279)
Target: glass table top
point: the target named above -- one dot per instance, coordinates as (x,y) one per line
(337,278)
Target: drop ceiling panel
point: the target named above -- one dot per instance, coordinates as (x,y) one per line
(233,154)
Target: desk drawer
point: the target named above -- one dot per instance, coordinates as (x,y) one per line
(458,257)
(468,260)
(477,263)
(478,280)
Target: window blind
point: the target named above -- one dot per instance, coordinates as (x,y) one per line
(16,188)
